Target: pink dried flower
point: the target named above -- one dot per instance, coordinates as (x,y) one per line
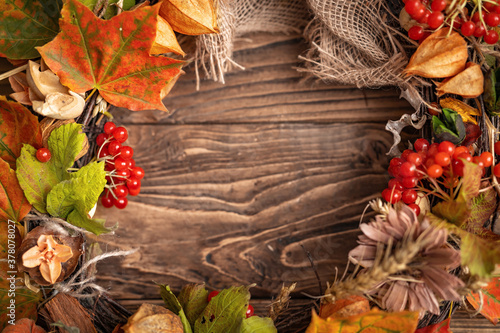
(426,278)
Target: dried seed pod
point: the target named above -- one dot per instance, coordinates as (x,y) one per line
(165,40)
(43,254)
(193,17)
(43,83)
(468,83)
(439,56)
(153,318)
(60,105)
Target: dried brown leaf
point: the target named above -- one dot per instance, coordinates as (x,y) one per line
(165,40)
(465,110)
(194,17)
(439,56)
(468,83)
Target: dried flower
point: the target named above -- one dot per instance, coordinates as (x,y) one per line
(48,254)
(425,278)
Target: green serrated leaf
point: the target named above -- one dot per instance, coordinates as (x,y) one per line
(92,180)
(65,143)
(480,255)
(27,24)
(35,178)
(81,220)
(50,188)
(483,206)
(173,304)
(193,299)
(62,198)
(225,312)
(256,324)
(454,211)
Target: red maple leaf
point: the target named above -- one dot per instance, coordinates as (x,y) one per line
(111,56)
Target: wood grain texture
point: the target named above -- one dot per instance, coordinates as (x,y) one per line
(226,204)
(270,90)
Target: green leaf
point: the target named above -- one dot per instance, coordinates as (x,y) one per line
(173,304)
(82,220)
(471,181)
(91,180)
(454,211)
(225,312)
(35,178)
(65,143)
(256,324)
(193,299)
(450,128)
(479,254)
(62,198)
(50,188)
(79,193)
(27,24)
(483,206)
(112,8)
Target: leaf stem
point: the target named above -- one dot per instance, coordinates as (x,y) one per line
(91,93)
(13,72)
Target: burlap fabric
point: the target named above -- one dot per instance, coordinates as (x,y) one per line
(352,43)
(237,17)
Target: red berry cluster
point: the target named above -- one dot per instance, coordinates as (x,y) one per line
(428,161)
(250,310)
(430,16)
(123,176)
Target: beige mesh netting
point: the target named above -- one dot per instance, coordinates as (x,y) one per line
(238,17)
(351,44)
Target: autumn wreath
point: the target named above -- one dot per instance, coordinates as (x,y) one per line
(431,247)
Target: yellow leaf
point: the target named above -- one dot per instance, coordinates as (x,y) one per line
(165,40)
(439,55)
(193,17)
(465,110)
(374,322)
(468,83)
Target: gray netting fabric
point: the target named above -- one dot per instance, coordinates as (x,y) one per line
(238,17)
(352,44)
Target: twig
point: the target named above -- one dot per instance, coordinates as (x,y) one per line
(313,265)
(14,71)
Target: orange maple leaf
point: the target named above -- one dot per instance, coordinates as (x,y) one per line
(111,56)
(17,126)
(13,204)
(491,300)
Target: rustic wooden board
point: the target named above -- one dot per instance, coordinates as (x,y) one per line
(270,91)
(226,204)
